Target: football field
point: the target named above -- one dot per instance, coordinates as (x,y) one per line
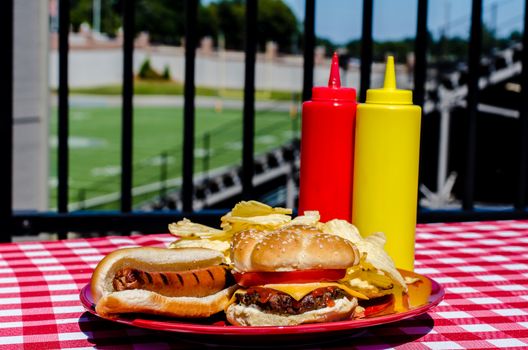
(95,151)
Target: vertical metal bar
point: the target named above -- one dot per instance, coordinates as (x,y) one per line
(248,161)
(472,99)
(366,49)
(520,202)
(128,108)
(6,119)
(420,65)
(420,50)
(63,110)
(191,19)
(309,49)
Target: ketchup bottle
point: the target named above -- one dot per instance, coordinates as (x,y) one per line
(327,149)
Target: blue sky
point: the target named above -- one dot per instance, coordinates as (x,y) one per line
(340,20)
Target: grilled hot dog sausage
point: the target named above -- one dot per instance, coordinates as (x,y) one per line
(196,283)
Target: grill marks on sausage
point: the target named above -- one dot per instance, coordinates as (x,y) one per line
(211,275)
(164,278)
(180,279)
(196,278)
(198,283)
(149,277)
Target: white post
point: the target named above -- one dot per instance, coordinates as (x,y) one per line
(443,148)
(96,27)
(31,105)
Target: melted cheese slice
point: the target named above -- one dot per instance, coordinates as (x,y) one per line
(300,290)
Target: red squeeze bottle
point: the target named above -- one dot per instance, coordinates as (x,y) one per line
(327,149)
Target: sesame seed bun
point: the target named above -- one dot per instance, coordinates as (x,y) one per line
(290,249)
(242,315)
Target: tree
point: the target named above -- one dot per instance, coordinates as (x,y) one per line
(400,49)
(164,20)
(328,45)
(230,16)
(277,22)
(81,12)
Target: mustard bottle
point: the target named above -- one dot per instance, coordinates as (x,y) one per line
(387,148)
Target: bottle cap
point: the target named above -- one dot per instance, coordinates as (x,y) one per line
(389,94)
(334,91)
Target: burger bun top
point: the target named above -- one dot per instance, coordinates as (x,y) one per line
(291,249)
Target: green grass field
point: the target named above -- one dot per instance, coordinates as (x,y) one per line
(156,87)
(95,137)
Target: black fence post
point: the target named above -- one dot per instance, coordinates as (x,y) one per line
(191,18)
(472,100)
(366,49)
(6,119)
(520,202)
(420,51)
(128,107)
(248,158)
(63,111)
(309,49)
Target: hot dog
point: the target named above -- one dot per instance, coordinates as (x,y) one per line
(184,282)
(195,283)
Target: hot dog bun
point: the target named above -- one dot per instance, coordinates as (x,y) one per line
(199,302)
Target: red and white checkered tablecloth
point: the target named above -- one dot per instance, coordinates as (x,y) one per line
(482,266)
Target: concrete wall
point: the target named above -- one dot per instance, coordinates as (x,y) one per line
(218,69)
(31,107)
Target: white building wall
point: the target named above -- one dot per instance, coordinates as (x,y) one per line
(96,67)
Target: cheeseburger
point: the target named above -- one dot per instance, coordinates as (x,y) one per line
(184,282)
(290,276)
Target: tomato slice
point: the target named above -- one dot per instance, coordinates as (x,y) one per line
(377,305)
(248,279)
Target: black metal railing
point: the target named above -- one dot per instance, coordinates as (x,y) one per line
(63,112)
(522,183)
(191,20)
(127,120)
(126,219)
(6,119)
(248,136)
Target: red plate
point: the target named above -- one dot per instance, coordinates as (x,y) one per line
(422,296)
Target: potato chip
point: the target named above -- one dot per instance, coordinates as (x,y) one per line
(272,220)
(374,257)
(310,218)
(378,258)
(254,208)
(233,224)
(221,246)
(412,280)
(342,229)
(189,229)
(218,245)
(377,238)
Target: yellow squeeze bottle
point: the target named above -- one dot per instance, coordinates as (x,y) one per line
(387,152)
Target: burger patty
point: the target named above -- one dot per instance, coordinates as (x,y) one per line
(277,302)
